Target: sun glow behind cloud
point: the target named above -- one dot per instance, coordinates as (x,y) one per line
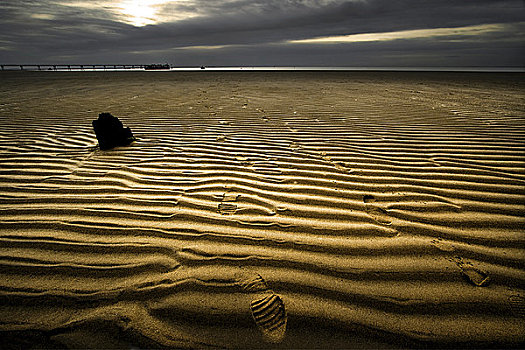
(138,13)
(141,12)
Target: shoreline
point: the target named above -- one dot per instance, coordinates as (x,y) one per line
(77,68)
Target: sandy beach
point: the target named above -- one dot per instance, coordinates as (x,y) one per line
(263,210)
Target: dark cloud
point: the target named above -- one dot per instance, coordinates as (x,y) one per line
(257,32)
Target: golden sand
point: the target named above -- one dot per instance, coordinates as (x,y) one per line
(263,210)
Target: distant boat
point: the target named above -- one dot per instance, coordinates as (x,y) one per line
(157,66)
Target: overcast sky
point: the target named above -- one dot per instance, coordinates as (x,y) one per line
(352,33)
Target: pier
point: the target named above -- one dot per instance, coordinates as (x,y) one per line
(71,67)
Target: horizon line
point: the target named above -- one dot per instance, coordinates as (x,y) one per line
(140,67)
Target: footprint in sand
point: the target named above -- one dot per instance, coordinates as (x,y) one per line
(227,205)
(244,161)
(294,145)
(252,282)
(470,273)
(341,166)
(443,246)
(473,275)
(379,215)
(270,316)
(267,308)
(289,127)
(326,157)
(517,305)
(227,208)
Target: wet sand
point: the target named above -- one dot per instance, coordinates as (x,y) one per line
(263,210)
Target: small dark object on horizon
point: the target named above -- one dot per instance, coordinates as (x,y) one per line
(157,66)
(110,132)
(203,67)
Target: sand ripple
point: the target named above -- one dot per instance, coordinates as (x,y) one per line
(255,209)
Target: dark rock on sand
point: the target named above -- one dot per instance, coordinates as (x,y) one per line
(110,132)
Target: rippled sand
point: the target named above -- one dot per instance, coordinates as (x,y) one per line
(255,210)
